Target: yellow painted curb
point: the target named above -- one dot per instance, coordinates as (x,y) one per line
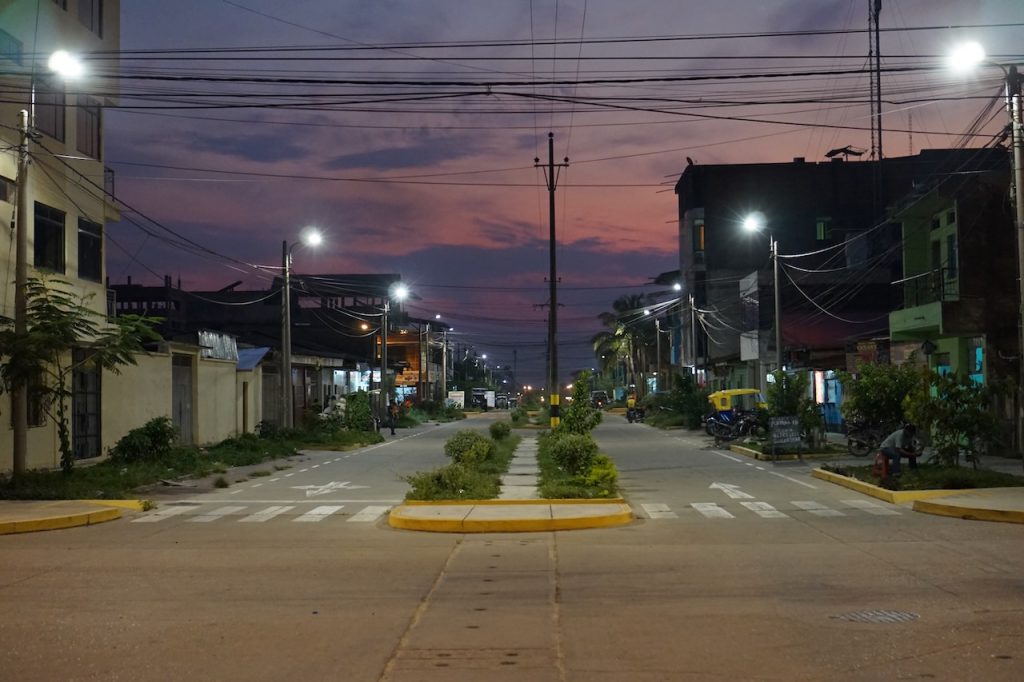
(890,496)
(59,522)
(134,505)
(965,512)
(479,503)
(619,517)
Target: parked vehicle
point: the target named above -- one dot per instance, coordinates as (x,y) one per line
(727,426)
(734,413)
(635,414)
(862,438)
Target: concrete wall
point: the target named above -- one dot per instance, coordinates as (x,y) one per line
(139,393)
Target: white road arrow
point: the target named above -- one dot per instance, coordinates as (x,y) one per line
(731,490)
(314,490)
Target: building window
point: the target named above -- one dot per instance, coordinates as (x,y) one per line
(88,117)
(10,47)
(698,235)
(7,190)
(952,256)
(90,250)
(49,116)
(950,217)
(49,238)
(936,223)
(90,14)
(822,230)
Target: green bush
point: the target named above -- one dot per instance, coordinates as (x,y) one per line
(468,445)
(500,430)
(520,416)
(574,452)
(454,481)
(358,413)
(603,474)
(149,442)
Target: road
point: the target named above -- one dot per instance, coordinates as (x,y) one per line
(734,570)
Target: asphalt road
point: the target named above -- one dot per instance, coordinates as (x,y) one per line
(735,570)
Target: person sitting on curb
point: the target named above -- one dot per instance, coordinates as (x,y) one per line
(900,443)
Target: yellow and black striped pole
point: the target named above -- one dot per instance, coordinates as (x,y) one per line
(553,409)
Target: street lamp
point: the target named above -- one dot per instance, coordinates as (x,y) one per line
(755,222)
(66,66)
(311,237)
(962,59)
(399,292)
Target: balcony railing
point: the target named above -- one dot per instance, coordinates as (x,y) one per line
(929,287)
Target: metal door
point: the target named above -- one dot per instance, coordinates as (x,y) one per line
(85,408)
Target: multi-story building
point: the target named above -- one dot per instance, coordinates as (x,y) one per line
(68,203)
(834,213)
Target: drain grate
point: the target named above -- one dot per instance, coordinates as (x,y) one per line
(878,616)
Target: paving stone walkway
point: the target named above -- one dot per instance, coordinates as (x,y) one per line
(520,483)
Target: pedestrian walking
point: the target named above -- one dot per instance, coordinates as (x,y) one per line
(392,415)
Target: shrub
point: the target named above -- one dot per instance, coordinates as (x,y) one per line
(520,416)
(358,413)
(603,475)
(580,417)
(469,445)
(149,442)
(500,430)
(450,482)
(574,452)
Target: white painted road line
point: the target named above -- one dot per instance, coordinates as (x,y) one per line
(162,514)
(793,480)
(659,511)
(215,514)
(722,454)
(318,514)
(368,514)
(871,507)
(265,515)
(816,508)
(711,510)
(764,510)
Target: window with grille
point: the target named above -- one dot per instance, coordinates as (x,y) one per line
(90,250)
(49,238)
(90,15)
(49,111)
(88,128)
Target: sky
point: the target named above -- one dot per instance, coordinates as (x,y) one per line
(407,132)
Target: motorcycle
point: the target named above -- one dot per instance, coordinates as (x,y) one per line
(635,414)
(862,438)
(725,426)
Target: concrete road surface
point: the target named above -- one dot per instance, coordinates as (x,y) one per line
(736,570)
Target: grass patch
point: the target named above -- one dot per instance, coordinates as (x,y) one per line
(282,467)
(456,481)
(261,472)
(221,482)
(928,477)
(119,480)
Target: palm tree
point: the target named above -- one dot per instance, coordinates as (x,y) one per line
(626,337)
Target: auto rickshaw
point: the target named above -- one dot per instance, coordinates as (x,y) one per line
(727,403)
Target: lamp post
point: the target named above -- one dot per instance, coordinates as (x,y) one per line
(310,238)
(755,223)
(963,58)
(67,66)
(399,292)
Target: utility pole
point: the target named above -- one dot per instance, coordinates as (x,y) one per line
(287,414)
(1014,104)
(693,336)
(778,305)
(552,183)
(19,396)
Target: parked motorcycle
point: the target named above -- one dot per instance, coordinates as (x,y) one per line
(862,438)
(726,426)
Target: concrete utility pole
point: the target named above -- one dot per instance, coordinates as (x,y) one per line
(19,394)
(1013,103)
(552,183)
(286,338)
(778,305)
(693,335)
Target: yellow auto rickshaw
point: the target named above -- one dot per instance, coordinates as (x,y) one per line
(737,400)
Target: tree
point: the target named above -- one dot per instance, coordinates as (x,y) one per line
(877,393)
(59,322)
(787,397)
(626,336)
(955,411)
(580,417)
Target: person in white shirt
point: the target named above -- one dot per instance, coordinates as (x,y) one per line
(900,443)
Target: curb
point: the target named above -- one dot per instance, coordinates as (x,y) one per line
(890,496)
(59,521)
(132,505)
(765,457)
(958,511)
(525,516)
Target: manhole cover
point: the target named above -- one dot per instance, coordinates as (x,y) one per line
(878,616)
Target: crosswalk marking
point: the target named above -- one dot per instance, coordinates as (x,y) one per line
(871,507)
(266,514)
(162,514)
(659,511)
(817,508)
(368,514)
(711,510)
(215,514)
(318,514)
(764,510)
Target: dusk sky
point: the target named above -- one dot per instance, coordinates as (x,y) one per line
(406,131)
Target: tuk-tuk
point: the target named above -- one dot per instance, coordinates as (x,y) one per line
(737,400)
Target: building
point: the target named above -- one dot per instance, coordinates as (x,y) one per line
(66,187)
(838,293)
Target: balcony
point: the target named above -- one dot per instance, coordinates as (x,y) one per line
(936,285)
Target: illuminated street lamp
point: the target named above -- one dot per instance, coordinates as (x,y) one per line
(963,59)
(755,222)
(399,292)
(311,237)
(66,66)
